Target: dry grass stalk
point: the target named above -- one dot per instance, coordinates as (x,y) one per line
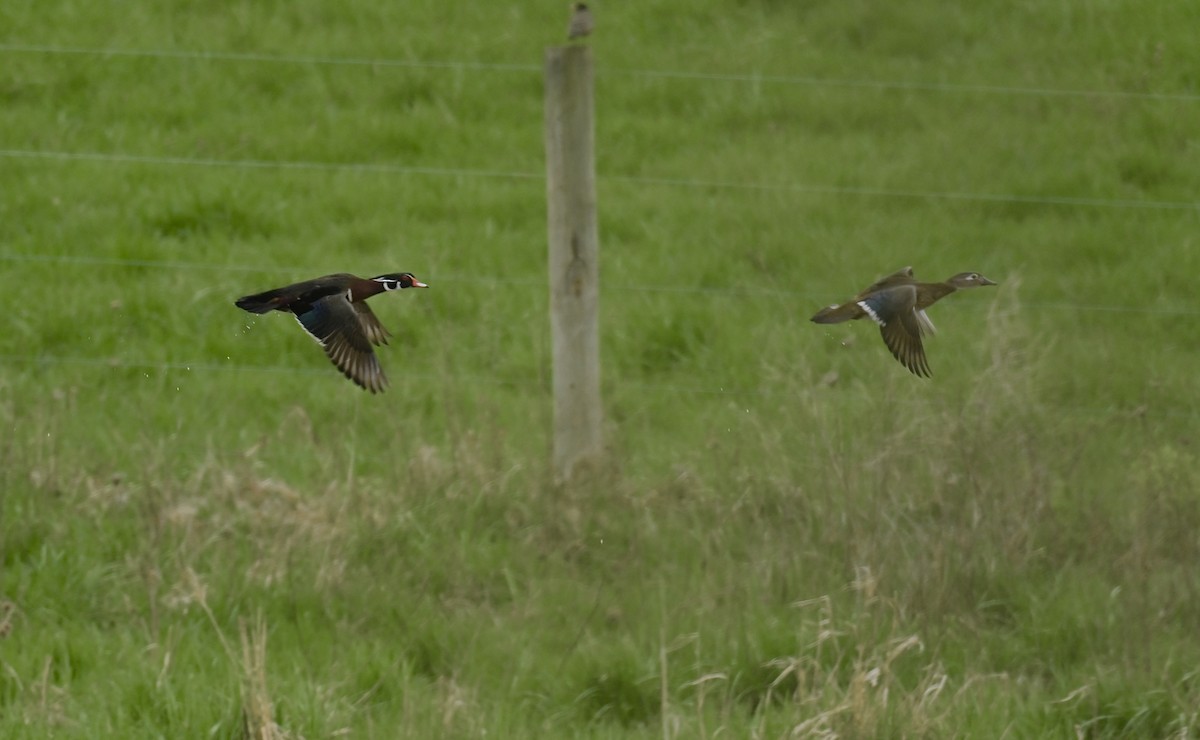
(258,712)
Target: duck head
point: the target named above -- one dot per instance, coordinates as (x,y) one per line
(969,280)
(399,281)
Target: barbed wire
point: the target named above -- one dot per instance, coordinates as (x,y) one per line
(1053,200)
(117,363)
(732,391)
(915,85)
(397,169)
(386,168)
(540,282)
(804,80)
(263,164)
(260,57)
(113,363)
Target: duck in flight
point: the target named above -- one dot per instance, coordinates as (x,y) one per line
(897,303)
(333,309)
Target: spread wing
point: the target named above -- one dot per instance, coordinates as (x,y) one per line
(903,338)
(370,324)
(853,309)
(346,331)
(893,310)
(900,277)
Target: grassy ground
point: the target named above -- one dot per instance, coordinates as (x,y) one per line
(205,530)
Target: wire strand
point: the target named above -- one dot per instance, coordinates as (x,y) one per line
(921,194)
(540,283)
(114,363)
(231,56)
(945,87)
(809,81)
(1050,200)
(263,164)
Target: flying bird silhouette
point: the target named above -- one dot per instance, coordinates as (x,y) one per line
(333,310)
(897,303)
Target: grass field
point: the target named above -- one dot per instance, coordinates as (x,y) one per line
(206,531)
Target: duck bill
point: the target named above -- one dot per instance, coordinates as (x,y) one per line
(985,281)
(419,284)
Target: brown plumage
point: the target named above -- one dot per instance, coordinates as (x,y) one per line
(897,303)
(333,310)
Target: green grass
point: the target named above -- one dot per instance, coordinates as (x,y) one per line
(206,531)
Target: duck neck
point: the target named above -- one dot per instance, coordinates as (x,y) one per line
(362,289)
(930,293)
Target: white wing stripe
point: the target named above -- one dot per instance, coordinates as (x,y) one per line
(871,312)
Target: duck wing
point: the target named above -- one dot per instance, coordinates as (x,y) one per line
(903,276)
(852,309)
(374,330)
(901,328)
(339,327)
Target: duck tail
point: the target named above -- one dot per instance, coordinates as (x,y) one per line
(838,313)
(260,302)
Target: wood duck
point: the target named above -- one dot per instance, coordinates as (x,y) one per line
(897,303)
(333,309)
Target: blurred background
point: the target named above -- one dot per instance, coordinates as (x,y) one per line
(206,529)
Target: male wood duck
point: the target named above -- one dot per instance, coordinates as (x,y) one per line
(897,303)
(334,310)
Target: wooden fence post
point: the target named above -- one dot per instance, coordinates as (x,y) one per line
(574,258)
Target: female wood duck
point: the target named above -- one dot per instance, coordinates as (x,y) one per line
(334,311)
(897,303)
